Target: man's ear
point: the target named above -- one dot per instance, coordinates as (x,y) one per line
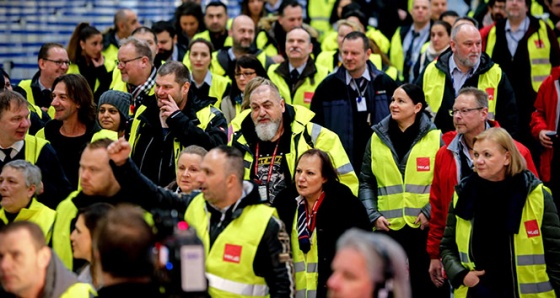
(44,257)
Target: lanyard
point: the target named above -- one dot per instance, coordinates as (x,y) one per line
(310,218)
(361,93)
(259,182)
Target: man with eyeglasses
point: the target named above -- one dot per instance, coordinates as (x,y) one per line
(138,73)
(298,77)
(53,62)
(464,65)
(454,161)
(242,33)
(526,49)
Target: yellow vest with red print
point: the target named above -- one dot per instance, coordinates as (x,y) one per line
(538,47)
(434,81)
(304,92)
(528,249)
(401,201)
(306,265)
(229,263)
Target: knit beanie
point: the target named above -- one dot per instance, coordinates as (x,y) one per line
(120,100)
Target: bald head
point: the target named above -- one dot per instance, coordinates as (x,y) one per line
(242,33)
(466,46)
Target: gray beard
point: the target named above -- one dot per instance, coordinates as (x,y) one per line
(266,132)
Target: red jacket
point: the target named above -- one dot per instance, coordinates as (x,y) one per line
(544,117)
(446,176)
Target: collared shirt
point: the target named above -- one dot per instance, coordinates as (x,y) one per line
(365,75)
(465,149)
(16,148)
(231,54)
(418,41)
(299,69)
(457,76)
(513,37)
(207,80)
(174,54)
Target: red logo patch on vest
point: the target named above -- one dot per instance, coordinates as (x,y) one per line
(490,92)
(422,164)
(539,43)
(232,253)
(307,97)
(532,228)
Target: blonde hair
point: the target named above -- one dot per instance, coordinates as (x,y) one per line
(351,24)
(254,84)
(501,137)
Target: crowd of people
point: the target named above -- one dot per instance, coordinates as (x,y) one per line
(417,146)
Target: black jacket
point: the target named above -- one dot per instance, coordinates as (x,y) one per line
(130,289)
(506,109)
(340,211)
(154,151)
(272,258)
(522,185)
(518,70)
(334,107)
(56,186)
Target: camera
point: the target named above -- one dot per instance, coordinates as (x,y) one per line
(179,256)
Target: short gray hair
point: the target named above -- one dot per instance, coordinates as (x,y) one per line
(480,96)
(256,83)
(455,30)
(31,173)
(181,72)
(375,247)
(141,46)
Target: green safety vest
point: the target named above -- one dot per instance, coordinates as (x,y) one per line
(204,115)
(304,137)
(266,45)
(400,201)
(217,68)
(109,66)
(319,12)
(397,53)
(37,213)
(306,266)
(229,263)
(26,85)
(433,84)
(66,211)
(528,247)
(33,147)
(305,92)
(538,47)
(79,290)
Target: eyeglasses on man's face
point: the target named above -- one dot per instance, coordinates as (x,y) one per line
(456,112)
(59,62)
(122,63)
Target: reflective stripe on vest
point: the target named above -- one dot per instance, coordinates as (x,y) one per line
(434,79)
(319,12)
(305,265)
(401,201)
(229,262)
(218,88)
(236,287)
(538,46)
(528,247)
